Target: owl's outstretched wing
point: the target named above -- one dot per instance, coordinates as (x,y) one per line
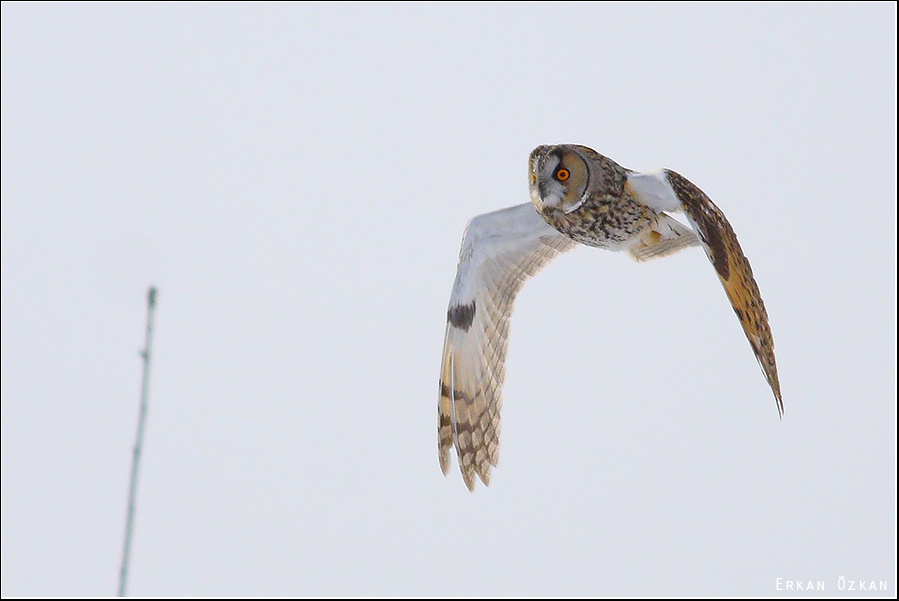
(667,190)
(500,250)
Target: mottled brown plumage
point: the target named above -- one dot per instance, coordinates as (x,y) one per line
(600,213)
(735,273)
(577,196)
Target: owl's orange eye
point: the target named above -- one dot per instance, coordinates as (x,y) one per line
(562,175)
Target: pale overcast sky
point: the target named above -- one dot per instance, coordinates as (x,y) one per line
(295,179)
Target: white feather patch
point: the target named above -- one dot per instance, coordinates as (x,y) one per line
(500,250)
(653,190)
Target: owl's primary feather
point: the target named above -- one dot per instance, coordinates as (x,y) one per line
(669,190)
(577,196)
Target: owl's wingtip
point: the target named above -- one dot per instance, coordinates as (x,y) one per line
(774,382)
(468,477)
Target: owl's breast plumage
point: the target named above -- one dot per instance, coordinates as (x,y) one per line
(603,221)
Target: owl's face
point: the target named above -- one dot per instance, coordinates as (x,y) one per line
(559,178)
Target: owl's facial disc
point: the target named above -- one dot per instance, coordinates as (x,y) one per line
(558,179)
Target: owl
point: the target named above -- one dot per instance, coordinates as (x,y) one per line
(578,196)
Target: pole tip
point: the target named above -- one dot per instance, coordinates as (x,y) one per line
(151,296)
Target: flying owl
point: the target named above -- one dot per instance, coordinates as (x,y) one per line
(578,196)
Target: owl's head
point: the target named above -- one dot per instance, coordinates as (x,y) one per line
(562,178)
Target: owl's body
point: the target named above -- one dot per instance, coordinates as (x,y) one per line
(607,217)
(577,196)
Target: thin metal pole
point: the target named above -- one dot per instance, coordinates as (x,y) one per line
(126,552)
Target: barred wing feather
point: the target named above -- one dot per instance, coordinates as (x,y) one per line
(500,250)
